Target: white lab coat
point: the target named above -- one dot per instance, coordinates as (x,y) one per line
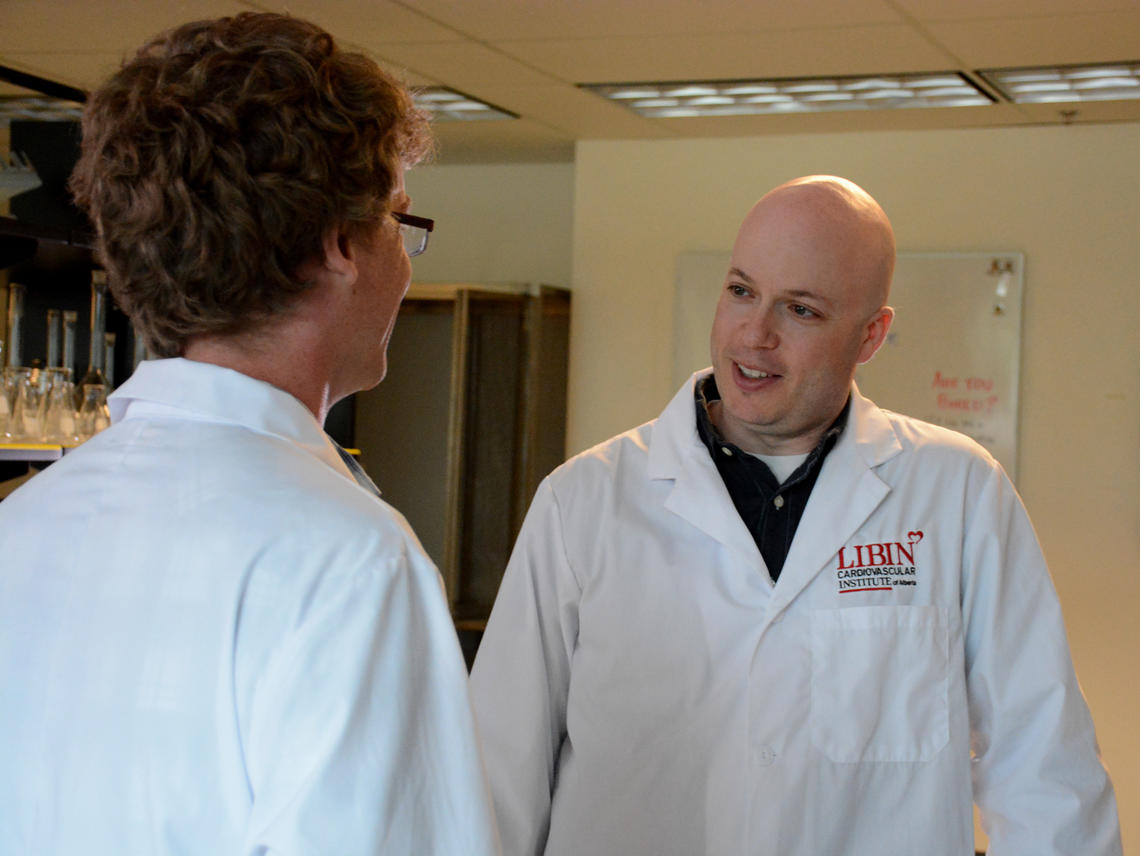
(643,688)
(213,640)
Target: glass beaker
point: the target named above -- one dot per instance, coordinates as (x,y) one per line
(60,417)
(31,400)
(94,415)
(15,381)
(8,383)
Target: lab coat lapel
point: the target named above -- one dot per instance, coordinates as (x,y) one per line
(845,495)
(698,495)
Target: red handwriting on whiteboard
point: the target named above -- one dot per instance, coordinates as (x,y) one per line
(978,398)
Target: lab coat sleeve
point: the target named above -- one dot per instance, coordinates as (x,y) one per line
(361,736)
(1037,776)
(521,676)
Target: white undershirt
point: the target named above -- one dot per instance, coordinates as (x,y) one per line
(782,466)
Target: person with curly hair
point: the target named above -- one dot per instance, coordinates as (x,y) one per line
(215,637)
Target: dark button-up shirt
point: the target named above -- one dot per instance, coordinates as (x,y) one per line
(770,510)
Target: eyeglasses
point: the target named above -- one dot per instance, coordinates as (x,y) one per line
(415,231)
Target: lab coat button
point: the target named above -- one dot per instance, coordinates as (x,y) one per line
(764,756)
(778,502)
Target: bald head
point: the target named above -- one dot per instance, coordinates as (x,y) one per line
(803,304)
(828,214)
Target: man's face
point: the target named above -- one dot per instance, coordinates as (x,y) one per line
(793,320)
(385,272)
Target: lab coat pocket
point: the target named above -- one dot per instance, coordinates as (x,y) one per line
(879,683)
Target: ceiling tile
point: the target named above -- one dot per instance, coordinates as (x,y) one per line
(1056,40)
(857,50)
(965,10)
(82,70)
(559,19)
(366,22)
(525,55)
(119,26)
(463,65)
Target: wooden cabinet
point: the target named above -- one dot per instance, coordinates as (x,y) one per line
(469,420)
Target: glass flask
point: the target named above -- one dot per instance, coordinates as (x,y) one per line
(60,422)
(94,415)
(96,351)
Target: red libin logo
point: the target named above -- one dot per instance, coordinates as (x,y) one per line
(882,566)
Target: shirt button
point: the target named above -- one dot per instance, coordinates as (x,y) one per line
(765,756)
(726,450)
(778,502)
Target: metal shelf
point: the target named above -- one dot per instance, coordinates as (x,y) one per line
(30,452)
(19,240)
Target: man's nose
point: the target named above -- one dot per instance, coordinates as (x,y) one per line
(760,330)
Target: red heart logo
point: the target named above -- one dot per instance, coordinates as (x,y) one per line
(914,537)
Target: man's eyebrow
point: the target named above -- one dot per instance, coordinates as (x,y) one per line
(794,293)
(804,294)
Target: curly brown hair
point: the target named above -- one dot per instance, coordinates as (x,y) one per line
(215,161)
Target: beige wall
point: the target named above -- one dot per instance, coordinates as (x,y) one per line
(495,223)
(1068,197)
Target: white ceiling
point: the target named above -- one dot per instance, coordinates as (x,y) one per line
(527,55)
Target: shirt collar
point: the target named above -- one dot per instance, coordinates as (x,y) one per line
(705,391)
(192,390)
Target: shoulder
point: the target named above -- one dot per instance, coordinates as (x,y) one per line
(614,460)
(273,500)
(314,506)
(933,458)
(926,438)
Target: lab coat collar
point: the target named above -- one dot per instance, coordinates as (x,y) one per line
(844,496)
(869,433)
(699,496)
(872,436)
(194,390)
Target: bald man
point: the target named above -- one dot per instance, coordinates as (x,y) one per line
(780,620)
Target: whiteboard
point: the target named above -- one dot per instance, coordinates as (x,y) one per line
(953,354)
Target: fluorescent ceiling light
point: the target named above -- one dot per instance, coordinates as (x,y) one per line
(447,105)
(684,99)
(1114,82)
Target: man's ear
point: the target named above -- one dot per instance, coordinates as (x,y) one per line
(340,255)
(338,264)
(875,334)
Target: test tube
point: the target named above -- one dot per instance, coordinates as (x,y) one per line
(70,323)
(109,359)
(15,321)
(96,350)
(53,332)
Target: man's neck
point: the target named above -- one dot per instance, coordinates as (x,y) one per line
(281,356)
(763,443)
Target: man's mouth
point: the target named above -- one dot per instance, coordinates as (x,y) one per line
(752,374)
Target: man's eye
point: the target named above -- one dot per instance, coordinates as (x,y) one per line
(803,311)
(737,290)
